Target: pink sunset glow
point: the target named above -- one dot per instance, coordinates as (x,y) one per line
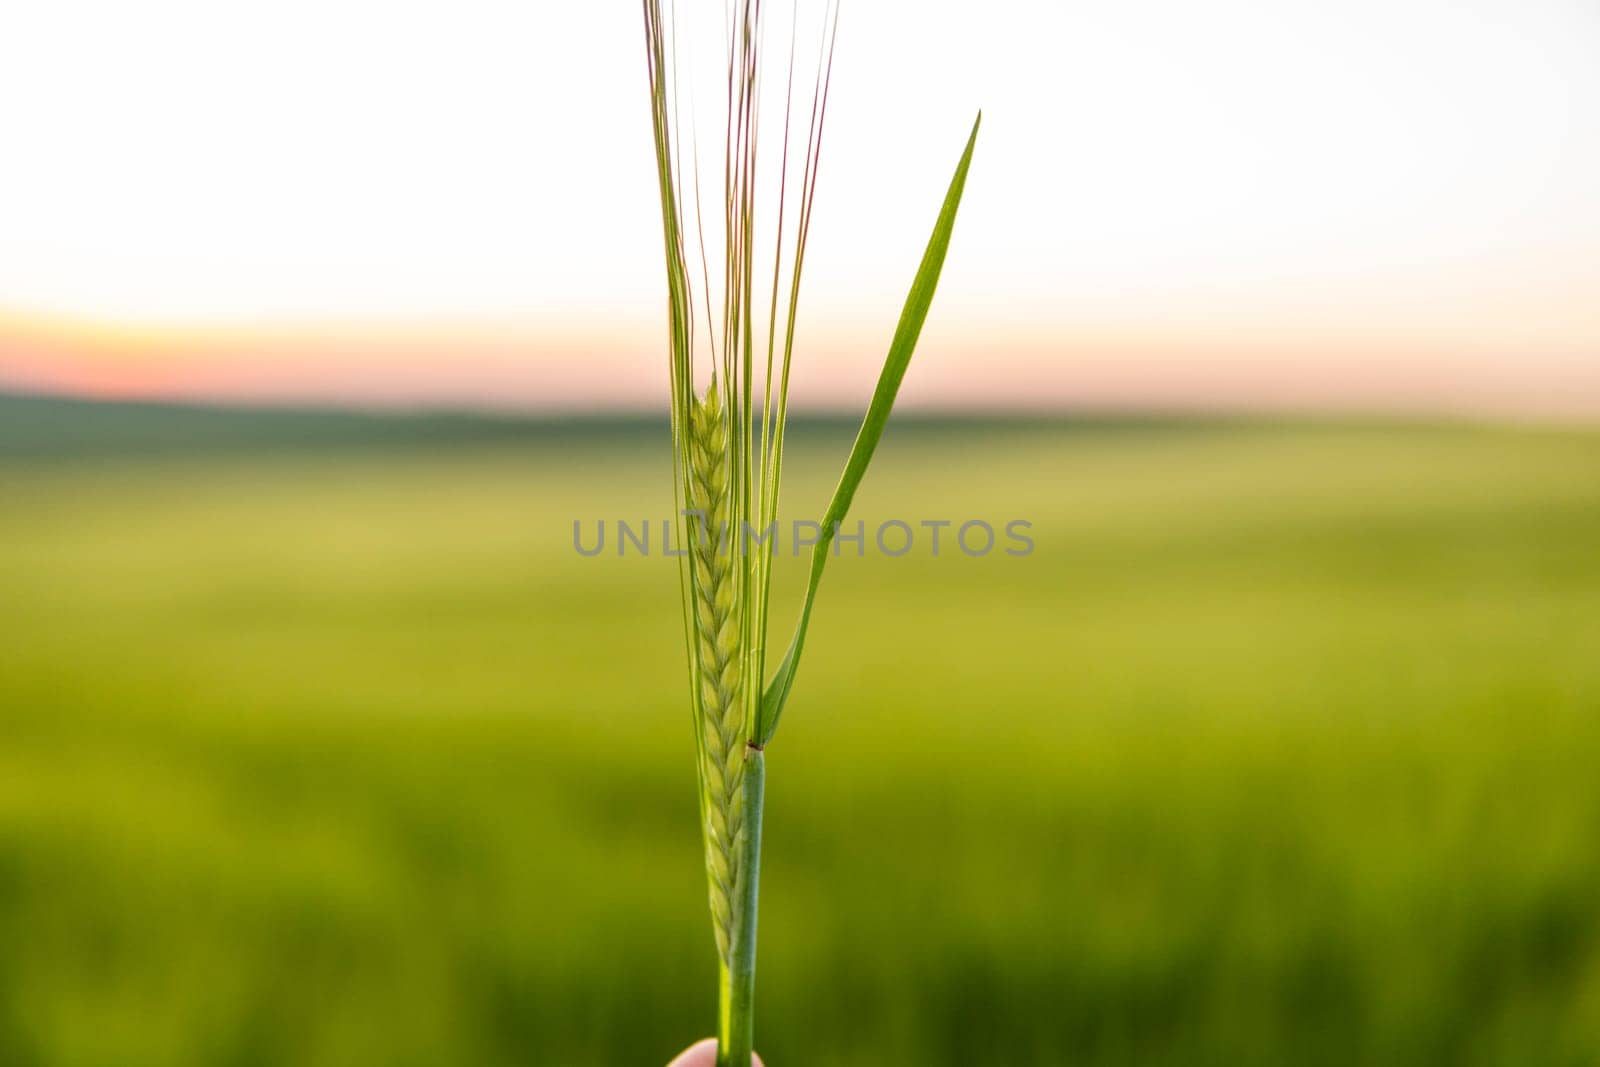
(513,369)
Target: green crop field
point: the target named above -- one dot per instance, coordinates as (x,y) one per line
(1282,748)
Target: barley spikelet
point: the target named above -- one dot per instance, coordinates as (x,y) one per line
(718,634)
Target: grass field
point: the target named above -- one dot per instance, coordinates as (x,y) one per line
(1283,748)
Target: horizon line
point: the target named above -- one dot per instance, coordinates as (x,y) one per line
(1023,416)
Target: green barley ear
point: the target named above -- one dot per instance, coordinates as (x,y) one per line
(728,444)
(718,634)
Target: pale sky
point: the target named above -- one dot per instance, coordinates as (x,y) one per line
(1280,203)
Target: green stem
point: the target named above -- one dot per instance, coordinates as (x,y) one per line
(736,1017)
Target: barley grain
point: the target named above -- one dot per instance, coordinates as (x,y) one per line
(718,634)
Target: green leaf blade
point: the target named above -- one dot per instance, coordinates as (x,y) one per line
(901,349)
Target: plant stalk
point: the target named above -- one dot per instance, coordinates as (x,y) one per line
(737,989)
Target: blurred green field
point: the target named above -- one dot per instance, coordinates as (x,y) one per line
(1284,748)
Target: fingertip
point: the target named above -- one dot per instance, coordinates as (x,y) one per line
(700,1054)
(704,1054)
